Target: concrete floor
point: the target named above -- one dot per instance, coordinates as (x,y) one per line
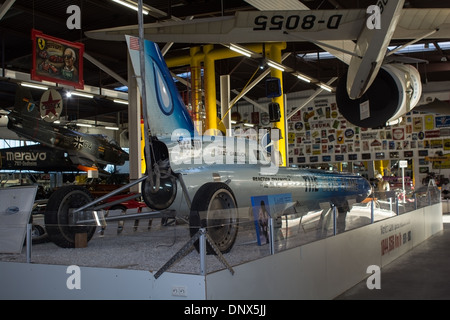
(420,274)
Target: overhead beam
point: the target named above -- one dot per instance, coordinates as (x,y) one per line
(5,7)
(105,69)
(315,94)
(255,82)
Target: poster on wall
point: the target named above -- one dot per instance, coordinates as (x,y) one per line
(429,122)
(442,121)
(267,206)
(57,60)
(398,134)
(417,124)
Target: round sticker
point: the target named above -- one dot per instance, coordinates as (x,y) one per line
(50,105)
(421,135)
(349,133)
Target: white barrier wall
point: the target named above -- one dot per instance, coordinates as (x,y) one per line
(326,268)
(38,281)
(319,270)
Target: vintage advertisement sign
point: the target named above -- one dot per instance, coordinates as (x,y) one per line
(57,60)
(442,121)
(50,105)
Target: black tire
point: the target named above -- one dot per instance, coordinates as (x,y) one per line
(58,219)
(164,197)
(39,235)
(209,198)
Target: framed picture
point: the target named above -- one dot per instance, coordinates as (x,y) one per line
(57,60)
(379,155)
(264,207)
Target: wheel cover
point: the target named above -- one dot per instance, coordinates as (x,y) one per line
(222,220)
(74,199)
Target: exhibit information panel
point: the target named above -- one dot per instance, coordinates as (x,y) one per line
(16,205)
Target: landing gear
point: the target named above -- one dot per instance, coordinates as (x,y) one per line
(162,197)
(58,216)
(214,208)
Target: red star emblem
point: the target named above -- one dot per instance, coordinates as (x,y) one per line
(50,105)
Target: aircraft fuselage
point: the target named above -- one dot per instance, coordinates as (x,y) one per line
(88,150)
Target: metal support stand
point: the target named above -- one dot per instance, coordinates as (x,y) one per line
(334,220)
(415,201)
(106,196)
(189,246)
(29,241)
(202,244)
(271,236)
(396,205)
(372,215)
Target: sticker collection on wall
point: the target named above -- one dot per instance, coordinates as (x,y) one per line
(319,133)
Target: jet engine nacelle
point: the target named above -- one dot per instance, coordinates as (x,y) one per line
(395,91)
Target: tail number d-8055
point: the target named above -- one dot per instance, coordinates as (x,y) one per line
(295,22)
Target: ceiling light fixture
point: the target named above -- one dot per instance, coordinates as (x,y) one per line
(131,5)
(325,87)
(82,94)
(303,78)
(35,86)
(240,50)
(84,125)
(276,65)
(120,101)
(112,128)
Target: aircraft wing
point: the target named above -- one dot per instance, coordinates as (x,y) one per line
(282,25)
(249,26)
(335,47)
(414,23)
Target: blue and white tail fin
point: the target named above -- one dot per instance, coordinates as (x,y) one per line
(165,108)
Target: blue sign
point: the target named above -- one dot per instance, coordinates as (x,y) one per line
(442,121)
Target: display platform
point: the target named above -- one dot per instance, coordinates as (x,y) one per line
(124,266)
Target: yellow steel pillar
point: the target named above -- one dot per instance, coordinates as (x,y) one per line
(210,89)
(275,55)
(380,165)
(196,80)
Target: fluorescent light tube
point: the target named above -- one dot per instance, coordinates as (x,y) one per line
(275,65)
(82,94)
(240,50)
(84,125)
(303,78)
(325,87)
(112,128)
(120,101)
(131,6)
(32,85)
